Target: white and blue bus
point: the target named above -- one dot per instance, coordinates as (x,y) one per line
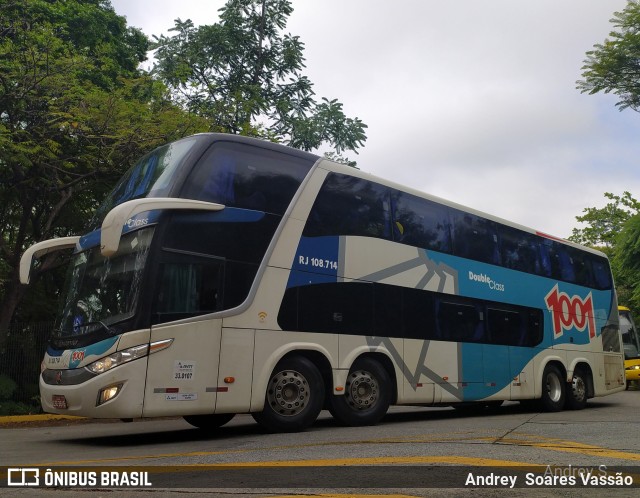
(227,275)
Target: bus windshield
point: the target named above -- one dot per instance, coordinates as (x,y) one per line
(151,176)
(103,291)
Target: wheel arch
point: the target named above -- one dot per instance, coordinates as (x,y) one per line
(583,366)
(318,356)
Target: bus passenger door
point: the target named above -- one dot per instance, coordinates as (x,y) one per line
(182,379)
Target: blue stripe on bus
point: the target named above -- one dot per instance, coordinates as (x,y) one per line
(98,349)
(148,218)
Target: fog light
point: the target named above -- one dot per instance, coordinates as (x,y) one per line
(108,393)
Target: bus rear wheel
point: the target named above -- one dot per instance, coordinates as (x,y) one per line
(553,389)
(367,395)
(209,422)
(578,392)
(294,397)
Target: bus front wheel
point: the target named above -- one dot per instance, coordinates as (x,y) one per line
(553,389)
(367,395)
(209,422)
(294,397)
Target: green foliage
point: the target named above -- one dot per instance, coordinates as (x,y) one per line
(615,229)
(15,408)
(245,77)
(626,264)
(612,66)
(7,387)
(74,113)
(604,224)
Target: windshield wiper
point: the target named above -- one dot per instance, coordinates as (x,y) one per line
(109,330)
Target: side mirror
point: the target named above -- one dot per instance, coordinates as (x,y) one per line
(40,249)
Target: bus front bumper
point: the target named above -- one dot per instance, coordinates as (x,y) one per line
(117,393)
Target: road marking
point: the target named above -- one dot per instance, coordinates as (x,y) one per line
(331,495)
(513,439)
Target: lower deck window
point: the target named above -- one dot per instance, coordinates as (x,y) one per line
(359,308)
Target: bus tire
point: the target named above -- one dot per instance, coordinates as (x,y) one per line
(553,389)
(577,392)
(294,397)
(209,422)
(367,395)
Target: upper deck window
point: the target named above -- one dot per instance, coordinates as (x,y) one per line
(347,205)
(243,176)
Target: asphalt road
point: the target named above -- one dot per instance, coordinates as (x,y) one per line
(413,452)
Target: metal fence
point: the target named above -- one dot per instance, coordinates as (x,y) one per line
(20,367)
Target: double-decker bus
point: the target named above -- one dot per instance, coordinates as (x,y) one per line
(228,275)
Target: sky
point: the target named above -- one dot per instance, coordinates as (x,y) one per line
(474,101)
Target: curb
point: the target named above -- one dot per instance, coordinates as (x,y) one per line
(17,419)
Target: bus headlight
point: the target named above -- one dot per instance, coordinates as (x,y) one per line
(126,355)
(118,358)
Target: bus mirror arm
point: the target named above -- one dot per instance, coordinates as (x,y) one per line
(122,213)
(40,249)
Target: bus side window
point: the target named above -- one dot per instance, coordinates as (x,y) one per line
(460,322)
(601,272)
(421,223)
(544,249)
(475,238)
(188,289)
(519,250)
(505,327)
(350,206)
(418,314)
(562,263)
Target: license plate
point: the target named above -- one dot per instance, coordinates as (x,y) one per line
(59,401)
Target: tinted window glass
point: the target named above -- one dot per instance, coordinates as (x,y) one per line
(391,311)
(418,314)
(387,310)
(246,177)
(350,206)
(188,289)
(505,327)
(460,321)
(562,266)
(199,232)
(420,223)
(332,308)
(601,272)
(475,238)
(151,176)
(519,250)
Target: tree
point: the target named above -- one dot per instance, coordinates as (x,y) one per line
(615,229)
(626,264)
(612,66)
(606,223)
(74,113)
(245,77)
